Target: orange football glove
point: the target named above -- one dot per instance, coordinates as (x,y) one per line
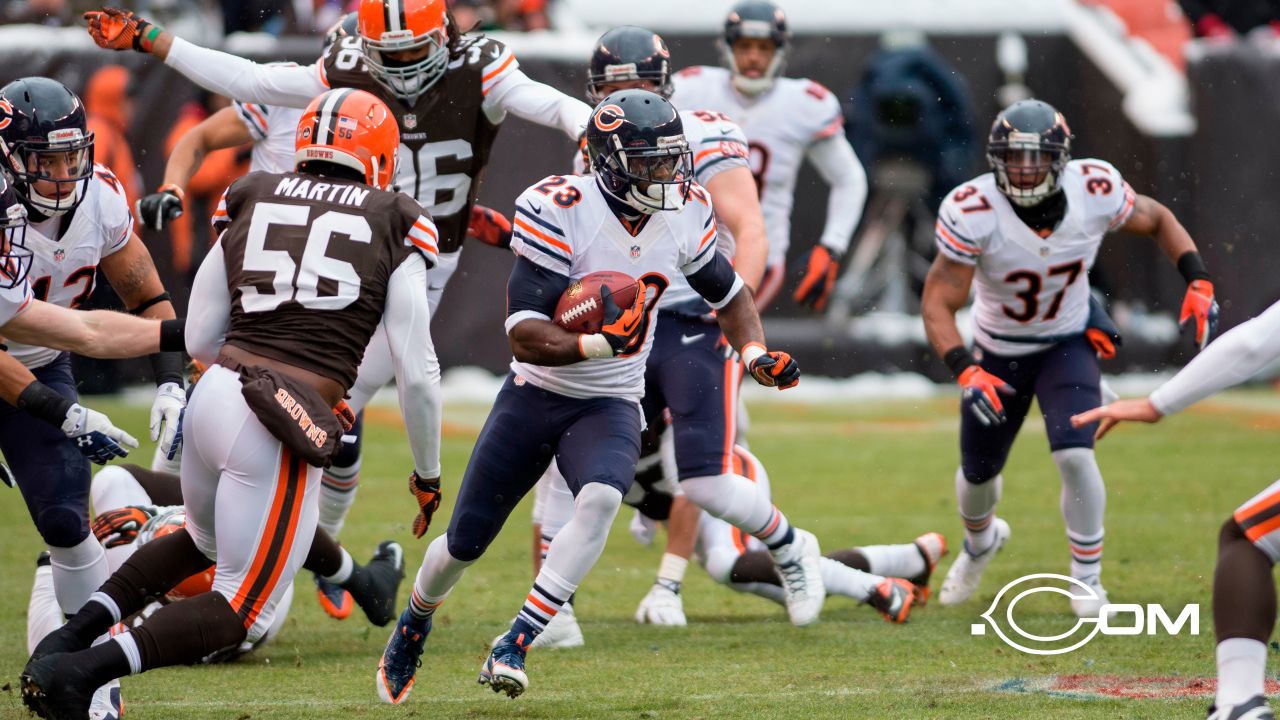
(1201,309)
(427,492)
(489,227)
(774,368)
(623,326)
(1101,343)
(120,526)
(820,268)
(345,415)
(116,29)
(982,391)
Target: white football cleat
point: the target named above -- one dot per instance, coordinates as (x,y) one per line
(966,572)
(1089,607)
(106,703)
(562,632)
(799,565)
(661,607)
(1255,708)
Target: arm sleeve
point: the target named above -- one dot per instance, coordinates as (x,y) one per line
(836,162)
(246,80)
(526,98)
(532,292)
(407,320)
(716,281)
(537,235)
(206,330)
(1233,358)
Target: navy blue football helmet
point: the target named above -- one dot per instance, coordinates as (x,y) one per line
(44,139)
(759,19)
(638,151)
(1028,148)
(625,54)
(15,256)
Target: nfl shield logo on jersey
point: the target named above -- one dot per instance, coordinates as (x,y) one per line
(635,252)
(410,121)
(59,254)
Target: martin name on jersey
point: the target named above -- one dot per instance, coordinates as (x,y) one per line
(63,268)
(565,225)
(1029,286)
(779,125)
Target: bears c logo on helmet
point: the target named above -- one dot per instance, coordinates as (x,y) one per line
(7,109)
(609,118)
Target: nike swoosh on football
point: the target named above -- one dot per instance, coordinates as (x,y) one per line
(691,339)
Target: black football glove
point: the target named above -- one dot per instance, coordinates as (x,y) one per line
(163,205)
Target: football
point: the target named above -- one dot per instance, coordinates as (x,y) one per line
(581,308)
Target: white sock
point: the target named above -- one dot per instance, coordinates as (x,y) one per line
(741,503)
(900,561)
(439,572)
(130,648)
(978,510)
(1084,501)
(44,615)
(78,572)
(338,486)
(579,543)
(1242,667)
(344,572)
(840,579)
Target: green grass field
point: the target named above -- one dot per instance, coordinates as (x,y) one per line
(870,474)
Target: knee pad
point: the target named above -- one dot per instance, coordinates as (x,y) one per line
(979,471)
(63,526)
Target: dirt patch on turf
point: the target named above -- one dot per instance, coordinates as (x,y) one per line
(1118,686)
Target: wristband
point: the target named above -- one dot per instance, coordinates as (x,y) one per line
(594,346)
(958,359)
(146,40)
(1192,268)
(41,401)
(751,351)
(167,367)
(172,335)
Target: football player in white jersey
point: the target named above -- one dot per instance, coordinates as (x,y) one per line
(1027,233)
(689,377)
(1244,594)
(786,120)
(576,397)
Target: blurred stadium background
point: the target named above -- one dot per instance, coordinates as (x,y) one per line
(1184,97)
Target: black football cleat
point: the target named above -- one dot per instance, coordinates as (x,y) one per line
(1255,708)
(58,641)
(378,582)
(55,688)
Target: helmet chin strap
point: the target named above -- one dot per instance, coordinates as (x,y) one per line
(51,208)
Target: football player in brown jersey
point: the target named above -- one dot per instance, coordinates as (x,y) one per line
(283,329)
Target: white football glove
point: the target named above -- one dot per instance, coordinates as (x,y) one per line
(95,437)
(166,412)
(661,607)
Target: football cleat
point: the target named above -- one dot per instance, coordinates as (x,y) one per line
(893,597)
(503,670)
(376,594)
(1255,708)
(55,688)
(335,601)
(1090,607)
(798,564)
(43,559)
(561,633)
(58,641)
(106,703)
(966,572)
(402,658)
(932,547)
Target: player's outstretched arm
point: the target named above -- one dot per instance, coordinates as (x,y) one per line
(531,100)
(1199,307)
(737,203)
(219,72)
(95,333)
(221,130)
(1238,355)
(836,162)
(946,290)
